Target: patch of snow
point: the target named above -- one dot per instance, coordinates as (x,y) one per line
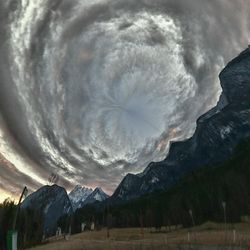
(98,197)
(154,180)
(68,210)
(225,131)
(47,207)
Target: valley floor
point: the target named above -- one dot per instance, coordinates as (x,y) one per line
(209,236)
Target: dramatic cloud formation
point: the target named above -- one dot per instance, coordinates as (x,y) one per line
(92,90)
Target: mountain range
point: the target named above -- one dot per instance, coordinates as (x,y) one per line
(52,202)
(217,133)
(81,196)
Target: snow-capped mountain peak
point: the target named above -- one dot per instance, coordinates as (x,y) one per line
(97,195)
(81,196)
(78,195)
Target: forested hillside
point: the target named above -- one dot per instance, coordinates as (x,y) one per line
(203,192)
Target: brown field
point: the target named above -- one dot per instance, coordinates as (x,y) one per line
(209,234)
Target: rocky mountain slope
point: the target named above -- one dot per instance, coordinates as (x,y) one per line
(52,202)
(78,195)
(97,195)
(217,134)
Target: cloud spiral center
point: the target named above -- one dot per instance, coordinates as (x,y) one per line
(102,86)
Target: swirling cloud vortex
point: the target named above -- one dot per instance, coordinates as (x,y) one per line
(101,87)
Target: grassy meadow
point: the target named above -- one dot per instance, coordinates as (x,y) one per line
(212,235)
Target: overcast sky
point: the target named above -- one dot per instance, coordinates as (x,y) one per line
(93,90)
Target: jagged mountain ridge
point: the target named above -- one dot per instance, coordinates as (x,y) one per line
(97,195)
(81,196)
(78,195)
(217,134)
(52,202)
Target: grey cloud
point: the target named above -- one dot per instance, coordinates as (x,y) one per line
(74,114)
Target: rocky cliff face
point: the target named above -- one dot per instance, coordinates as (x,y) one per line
(78,195)
(217,134)
(97,195)
(52,202)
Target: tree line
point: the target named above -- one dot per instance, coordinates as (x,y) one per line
(29,225)
(197,198)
